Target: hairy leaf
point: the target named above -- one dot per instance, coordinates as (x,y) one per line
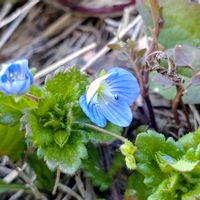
(13,141)
(149,144)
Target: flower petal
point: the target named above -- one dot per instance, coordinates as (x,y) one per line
(124,85)
(92,111)
(15,77)
(116,111)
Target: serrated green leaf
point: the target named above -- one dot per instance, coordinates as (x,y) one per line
(185,165)
(45,104)
(71,85)
(61,137)
(164,162)
(69,158)
(190,140)
(13,141)
(167,164)
(167,189)
(148,144)
(39,135)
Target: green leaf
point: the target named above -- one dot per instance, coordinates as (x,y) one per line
(11,108)
(46,102)
(45,178)
(136,187)
(95,136)
(54,155)
(167,164)
(191,94)
(187,55)
(6,187)
(71,85)
(185,165)
(167,92)
(13,141)
(140,53)
(132,44)
(128,150)
(61,137)
(193,194)
(93,167)
(148,144)
(190,140)
(180,27)
(167,189)
(117,46)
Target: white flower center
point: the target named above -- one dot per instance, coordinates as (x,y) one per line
(94,86)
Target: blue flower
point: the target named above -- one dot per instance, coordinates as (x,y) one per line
(109,98)
(15,77)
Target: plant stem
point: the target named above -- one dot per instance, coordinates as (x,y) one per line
(96,128)
(158,21)
(32,97)
(56,181)
(144,91)
(176,103)
(186,115)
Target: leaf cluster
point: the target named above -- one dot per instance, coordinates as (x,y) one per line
(167,169)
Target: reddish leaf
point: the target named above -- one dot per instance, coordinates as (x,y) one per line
(162,80)
(186,55)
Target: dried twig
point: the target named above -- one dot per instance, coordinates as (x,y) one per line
(5,9)
(105,49)
(34,189)
(56,181)
(18,12)
(64,61)
(67,189)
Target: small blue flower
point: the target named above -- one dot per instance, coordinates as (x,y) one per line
(109,98)
(15,77)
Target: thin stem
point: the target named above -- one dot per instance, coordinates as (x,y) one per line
(56,181)
(158,21)
(144,90)
(32,97)
(176,103)
(96,128)
(186,114)
(105,132)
